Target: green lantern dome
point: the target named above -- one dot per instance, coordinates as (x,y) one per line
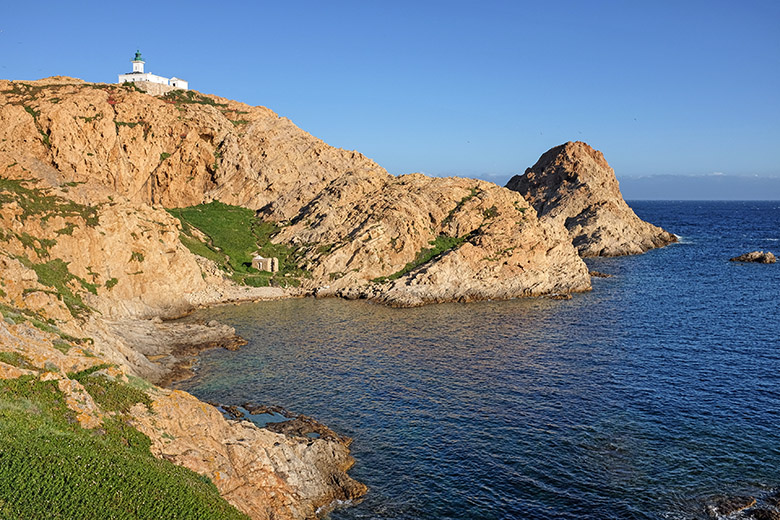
(138,56)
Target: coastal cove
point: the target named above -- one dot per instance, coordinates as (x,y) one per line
(648,397)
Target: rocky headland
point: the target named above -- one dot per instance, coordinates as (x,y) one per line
(574,186)
(120,210)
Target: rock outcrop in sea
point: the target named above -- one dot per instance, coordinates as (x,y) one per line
(759,257)
(573,185)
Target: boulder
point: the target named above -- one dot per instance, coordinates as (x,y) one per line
(758,257)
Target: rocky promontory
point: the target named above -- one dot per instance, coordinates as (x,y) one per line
(120,211)
(573,185)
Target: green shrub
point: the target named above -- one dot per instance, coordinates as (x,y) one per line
(55,273)
(111,395)
(439,245)
(16,359)
(39,202)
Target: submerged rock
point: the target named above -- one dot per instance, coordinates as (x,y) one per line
(758,257)
(573,185)
(764,514)
(598,274)
(724,506)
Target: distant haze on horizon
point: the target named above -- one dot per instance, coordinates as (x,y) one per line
(682,89)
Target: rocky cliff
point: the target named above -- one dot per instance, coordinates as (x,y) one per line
(413,239)
(428,239)
(572,185)
(92,258)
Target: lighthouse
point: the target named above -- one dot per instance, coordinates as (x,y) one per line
(149,82)
(138,63)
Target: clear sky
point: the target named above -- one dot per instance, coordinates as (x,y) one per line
(473,88)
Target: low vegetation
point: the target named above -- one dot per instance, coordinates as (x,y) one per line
(50,467)
(232,235)
(441,244)
(41,202)
(110,394)
(179,97)
(14,315)
(55,274)
(474,192)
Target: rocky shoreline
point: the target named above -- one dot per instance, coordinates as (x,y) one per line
(98,256)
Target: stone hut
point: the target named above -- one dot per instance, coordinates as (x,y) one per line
(265,264)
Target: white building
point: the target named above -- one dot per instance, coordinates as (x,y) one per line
(138,74)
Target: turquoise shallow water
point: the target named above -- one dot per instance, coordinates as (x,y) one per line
(641,399)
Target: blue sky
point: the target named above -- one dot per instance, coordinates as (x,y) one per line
(476,89)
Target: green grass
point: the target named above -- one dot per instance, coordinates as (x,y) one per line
(36,320)
(111,395)
(35,113)
(50,467)
(44,244)
(491,212)
(16,359)
(40,203)
(67,230)
(55,274)
(130,85)
(441,244)
(234,234)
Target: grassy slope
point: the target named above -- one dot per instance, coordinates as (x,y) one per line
(50,467)
(234,234)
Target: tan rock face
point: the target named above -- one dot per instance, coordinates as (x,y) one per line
(267,475)
(572,185)
(372,225)
(176,152)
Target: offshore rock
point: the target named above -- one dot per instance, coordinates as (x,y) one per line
(758,257)
(573,185)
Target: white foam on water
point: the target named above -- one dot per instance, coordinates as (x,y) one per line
(327,508)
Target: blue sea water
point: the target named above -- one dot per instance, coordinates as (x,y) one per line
(639,400)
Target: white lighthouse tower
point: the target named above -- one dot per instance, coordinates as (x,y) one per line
(138,63)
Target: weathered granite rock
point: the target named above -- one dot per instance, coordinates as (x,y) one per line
(265,474)
(573,185)
(160,150)
(376,227)
(759,257)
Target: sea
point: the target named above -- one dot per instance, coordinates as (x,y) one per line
(647,398)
